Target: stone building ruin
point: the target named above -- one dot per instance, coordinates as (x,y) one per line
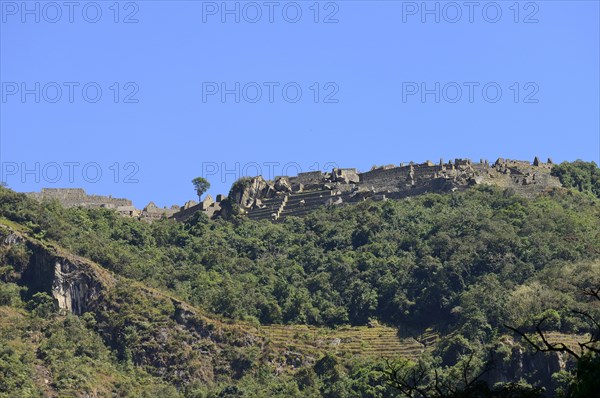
(287,196)
(296,196)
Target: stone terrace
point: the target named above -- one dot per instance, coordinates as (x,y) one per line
(300,195)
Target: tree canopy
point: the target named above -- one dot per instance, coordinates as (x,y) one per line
(463,264)
(201,185)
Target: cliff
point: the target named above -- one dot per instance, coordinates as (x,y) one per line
(176,341)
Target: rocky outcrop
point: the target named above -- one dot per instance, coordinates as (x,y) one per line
(74,290)
(282,184)
(179,343)
(246,191)
(523,363)
(75,283)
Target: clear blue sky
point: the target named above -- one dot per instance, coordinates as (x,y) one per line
(369,62)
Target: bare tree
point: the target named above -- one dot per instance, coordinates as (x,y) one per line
(419,381)
(589,346)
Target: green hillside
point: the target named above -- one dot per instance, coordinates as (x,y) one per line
(312,306)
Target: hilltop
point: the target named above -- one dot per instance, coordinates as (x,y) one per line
(305,306)
(299,195)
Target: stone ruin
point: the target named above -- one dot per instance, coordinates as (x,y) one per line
(299,195)
(152,212)
(286,196)
(77,197)
(210,207)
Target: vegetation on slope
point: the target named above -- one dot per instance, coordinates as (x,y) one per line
(580,175)
(428,261)
(44,354)
(463,264)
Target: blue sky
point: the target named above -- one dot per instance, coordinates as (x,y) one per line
(188,90)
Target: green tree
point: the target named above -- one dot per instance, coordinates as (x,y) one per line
(201,185)
(583,176)
(41,305)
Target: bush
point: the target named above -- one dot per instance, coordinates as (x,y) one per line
(41,305)
(583,176)
(10,294)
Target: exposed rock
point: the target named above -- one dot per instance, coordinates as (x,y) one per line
(282,184)
(79,286)
(12,239)
(478,179)
(72,288)
(334,201)
(76,284)
(524,361)
(245,192)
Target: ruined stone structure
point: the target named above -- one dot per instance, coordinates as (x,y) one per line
(285,196)
(209,206)
(297,196)
(152,212)
(77,197)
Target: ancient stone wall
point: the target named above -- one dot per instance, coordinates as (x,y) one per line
(72,197)
(311,177)
(307,191)
(186,213)
(397,182)
(396,174)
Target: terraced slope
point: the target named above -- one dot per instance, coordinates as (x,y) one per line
(379,341)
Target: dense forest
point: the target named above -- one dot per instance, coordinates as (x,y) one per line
(463,264)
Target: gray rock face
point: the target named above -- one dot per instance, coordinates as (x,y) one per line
(298,187)
(75,284)
(78,286)
(282,184)
(12,239)
(72,289)
(334,201)
(524,361)
(245,192)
